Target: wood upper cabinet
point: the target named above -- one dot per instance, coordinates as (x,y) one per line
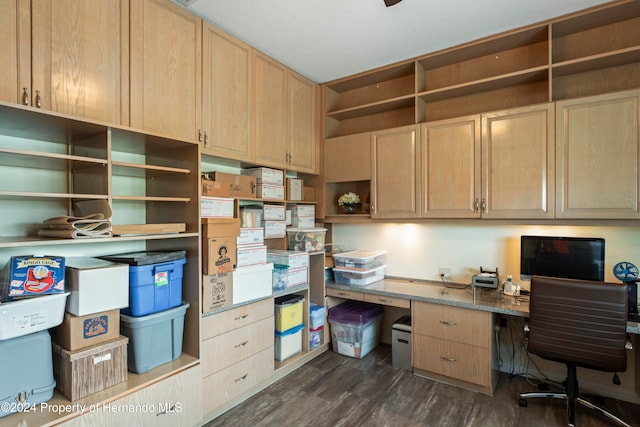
(451,168)
(270,118)
(285,129)
(518,163)
(226,95)
(166,47)
(597,157)
(67,56)
(348,158)
(302,132)
(395,173)
(494,165)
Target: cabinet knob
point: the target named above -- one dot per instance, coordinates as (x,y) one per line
(25,96)
(38,99)
(484,205)
(206,138)
(199,135)
(476,206)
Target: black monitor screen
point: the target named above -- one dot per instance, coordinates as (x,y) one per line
(567,257)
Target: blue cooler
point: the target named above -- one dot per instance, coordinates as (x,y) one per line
(155,280)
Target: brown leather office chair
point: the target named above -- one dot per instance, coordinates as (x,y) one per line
(578,323)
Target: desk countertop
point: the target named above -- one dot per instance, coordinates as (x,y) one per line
(435,292)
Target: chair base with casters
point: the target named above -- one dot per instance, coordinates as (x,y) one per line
(572,397)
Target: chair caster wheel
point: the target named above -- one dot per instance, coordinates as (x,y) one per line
(522,402)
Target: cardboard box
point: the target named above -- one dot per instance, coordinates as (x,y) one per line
(241,185)
(83,372)
(293,259)
(219,255)
(217,291)
(274,228)
(220,227)
(270,191)
(251,255)
(303,210)
(303,222)
(273,213)
(294,188)
(96,285)
(265,175)
(217,207)
(250,236)
(29,276)
(215,188)
(78,332)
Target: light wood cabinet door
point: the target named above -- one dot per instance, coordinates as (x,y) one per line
(395,173)
(67,56)
(269,113)
(518,163)
(451,168)
(15,49)
(348,158)
(226,95)
(174,401)
(302,132)
(597,157)
(166,48)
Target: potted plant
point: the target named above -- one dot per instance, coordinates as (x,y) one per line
(349,202)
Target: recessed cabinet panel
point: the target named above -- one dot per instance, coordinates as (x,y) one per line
(518,163)
(597,156)
(226,101)
(395,172)
(348,158)
(302,135)
(451,168)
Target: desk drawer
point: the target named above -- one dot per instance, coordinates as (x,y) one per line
(236,318)
(359,296)
(455,360)
(385,300)
(225,385)
(458,324)
(224,350)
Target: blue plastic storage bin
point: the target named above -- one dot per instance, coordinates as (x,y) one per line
(154,287)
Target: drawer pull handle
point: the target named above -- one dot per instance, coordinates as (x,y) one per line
(167,411)
(242,378)
(342,293)
(384,300)
(244,316)
(241,344)
(445,323)
(448,359)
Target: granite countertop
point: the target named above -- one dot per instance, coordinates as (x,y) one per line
(457,295)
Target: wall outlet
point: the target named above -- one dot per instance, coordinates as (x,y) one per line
(444,272)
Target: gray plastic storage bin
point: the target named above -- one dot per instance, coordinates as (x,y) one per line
(401,343)
(26,372)
(154,339)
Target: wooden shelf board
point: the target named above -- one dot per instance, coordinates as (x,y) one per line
(374,108)
(151,199)
(498,82)
(140,170)
(381,75)
(596,62)
(43,160)
(25,241)
(41,195)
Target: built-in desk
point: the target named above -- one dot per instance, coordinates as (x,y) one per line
(452,330)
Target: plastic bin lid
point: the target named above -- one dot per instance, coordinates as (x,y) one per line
(152,319)
(288,299)
(360,255)
(146,258)
(291,331)
(355,312)
(304,230)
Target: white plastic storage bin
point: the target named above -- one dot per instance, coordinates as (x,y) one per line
(358,278)
(31,315)
(317,313)
(288,343)
(360,260)
(355,328)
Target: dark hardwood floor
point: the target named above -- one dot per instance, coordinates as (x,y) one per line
(335,390)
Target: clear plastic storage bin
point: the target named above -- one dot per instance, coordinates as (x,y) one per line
(358,278)
(360,260)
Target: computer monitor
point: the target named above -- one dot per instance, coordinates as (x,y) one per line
(566,257)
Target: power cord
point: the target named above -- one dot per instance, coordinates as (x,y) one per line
(451,286)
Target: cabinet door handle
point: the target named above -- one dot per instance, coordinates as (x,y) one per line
(244,316)
(476,206)
(38,99)
(484,205)
(384,300)
(242,344)
(199,135)
(342,294)
(445,323)
(206,139)
(25,96)
(448,359)
(242,378)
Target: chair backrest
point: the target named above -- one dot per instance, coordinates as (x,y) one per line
(579,322)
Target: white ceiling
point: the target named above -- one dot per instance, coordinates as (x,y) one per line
(328,39)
